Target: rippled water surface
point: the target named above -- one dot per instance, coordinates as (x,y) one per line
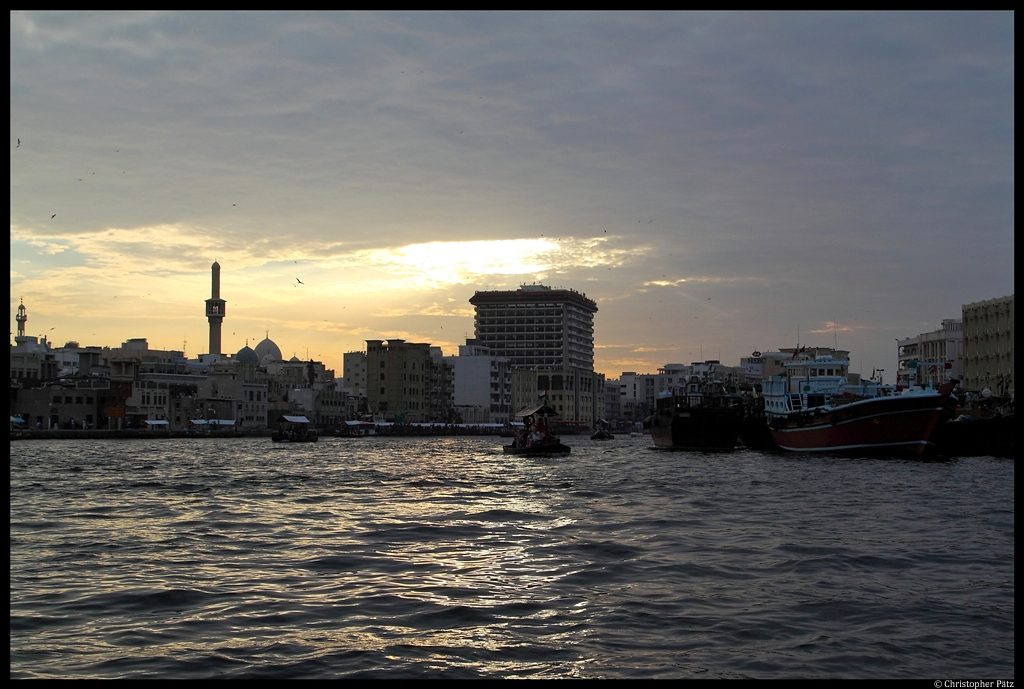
(401,557)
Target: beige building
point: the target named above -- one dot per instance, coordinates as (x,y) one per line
(577,396)
(988,345)
(932,358)
(354,374)
(408,382)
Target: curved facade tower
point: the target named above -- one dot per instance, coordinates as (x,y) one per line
(215,311)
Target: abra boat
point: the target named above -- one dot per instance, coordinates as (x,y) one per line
(535,438)
(813,407)
(700,415)
(294,429)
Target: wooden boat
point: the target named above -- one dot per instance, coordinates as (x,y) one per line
(536,438)
(555,448)
(294,429)
(699,415)
(814,409)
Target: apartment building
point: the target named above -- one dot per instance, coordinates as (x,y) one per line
(988,345)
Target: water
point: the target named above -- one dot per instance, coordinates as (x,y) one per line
(403,557)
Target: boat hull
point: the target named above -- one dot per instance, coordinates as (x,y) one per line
(547,449)
(896,425)
(706,429)
(277,438)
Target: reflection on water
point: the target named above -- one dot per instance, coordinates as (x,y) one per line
(399,557)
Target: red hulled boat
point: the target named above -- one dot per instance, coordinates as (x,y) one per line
(814,409)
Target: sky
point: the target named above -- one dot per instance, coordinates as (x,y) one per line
(718,183)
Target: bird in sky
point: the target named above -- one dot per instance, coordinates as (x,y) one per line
(53,216)
(19,144)
(300,281)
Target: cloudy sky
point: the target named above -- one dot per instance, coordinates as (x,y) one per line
(717,183)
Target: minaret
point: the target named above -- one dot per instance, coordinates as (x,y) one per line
(21,318)
(215,311)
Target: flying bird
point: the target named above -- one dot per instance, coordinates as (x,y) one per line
(19,144)
(53,216)
(300,281)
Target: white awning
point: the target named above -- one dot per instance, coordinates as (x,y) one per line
(295,419)
(158,423)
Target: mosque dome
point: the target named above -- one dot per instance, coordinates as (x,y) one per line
(295,359)
(268,351)
(247,356)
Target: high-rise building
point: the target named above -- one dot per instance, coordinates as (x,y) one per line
(537,327)
(548,333)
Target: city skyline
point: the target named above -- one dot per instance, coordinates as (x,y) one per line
(715,182)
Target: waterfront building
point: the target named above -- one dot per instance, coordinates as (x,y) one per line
(482,384)
(354,374)
(408,382)
(932,358)
(636,395)
(55,404)
(232,391)
(577,396)
(73,360)
(761,366)
(988,345)
(537,327)
(549,331)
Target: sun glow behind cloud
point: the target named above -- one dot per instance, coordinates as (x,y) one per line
(436,265)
